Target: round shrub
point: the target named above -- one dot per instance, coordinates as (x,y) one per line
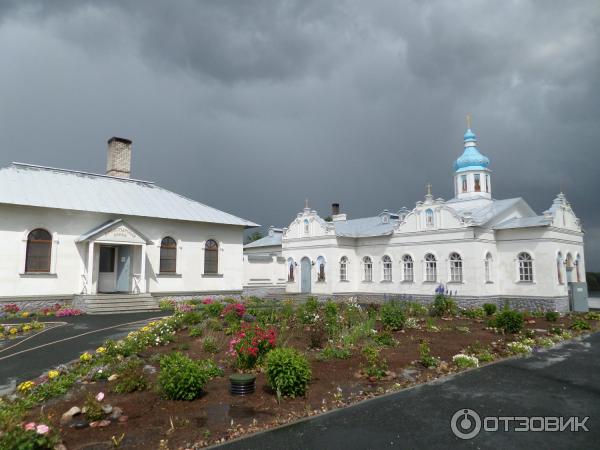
(443,305)
(288,372)
(490,308)
(392,316)
(552,316)
(510,321)
(182,378)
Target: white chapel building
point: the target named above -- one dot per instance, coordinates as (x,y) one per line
(67,235)
(481,249)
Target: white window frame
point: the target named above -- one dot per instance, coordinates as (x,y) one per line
(455,265)
(488,263)
(343,268)
(387,268)
(367,269)
(525,267)
(430,266)
(408,269)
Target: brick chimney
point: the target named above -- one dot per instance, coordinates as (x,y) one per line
(118,162)
(335,209)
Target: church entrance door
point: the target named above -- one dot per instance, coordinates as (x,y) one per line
(107,275)
(305,269)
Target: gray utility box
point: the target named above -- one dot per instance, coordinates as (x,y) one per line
(578,297)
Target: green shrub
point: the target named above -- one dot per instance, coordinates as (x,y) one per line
(580,325)
(317,334)
(331,352)
(209,344)
(166,304)
(385,338)
(192,318)
(214,309)
(426,359)
(442,306)
(509,321)
(593,315)
(490,308)
(392,316)
(181,378)
(552,316)
(93,408)
(376,366)
(196,332)
(17,438)
(131,377)
(288,372)
(214,324)
(332,322)
(474,313)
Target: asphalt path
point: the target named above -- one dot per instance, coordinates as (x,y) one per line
(560,382)
(63,340)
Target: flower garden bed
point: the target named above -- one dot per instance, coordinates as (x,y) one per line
(346,352)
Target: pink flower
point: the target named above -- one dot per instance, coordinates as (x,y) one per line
(100,396)
(30,426)
(42,429)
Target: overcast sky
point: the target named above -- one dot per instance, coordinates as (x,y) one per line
(253,106)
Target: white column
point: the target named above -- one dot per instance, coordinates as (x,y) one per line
(143,269)
(89,273)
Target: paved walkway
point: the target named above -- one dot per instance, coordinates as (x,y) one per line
(564,381)
(63,340)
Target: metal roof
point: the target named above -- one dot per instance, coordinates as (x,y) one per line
(524,222)
(48,187)
(365,227)
(267,241)
(485,214)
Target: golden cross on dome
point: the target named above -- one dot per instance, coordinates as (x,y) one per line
(469,121)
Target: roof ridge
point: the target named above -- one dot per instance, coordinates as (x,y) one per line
(58,169)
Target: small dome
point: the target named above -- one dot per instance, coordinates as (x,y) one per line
(471,159)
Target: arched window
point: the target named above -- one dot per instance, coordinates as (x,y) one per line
(290,265)
(306,226)
(488,267)
(477,182)
(577,268)
(320,268)
(429,218)
(368,269)
(569,267)
(430,267)
(408,268)
(344,269)
(456,269)
(525,267)
(559,272)
(211,257)
(168,255)
(487,183)
(463,180)
(39,251)
(387,268)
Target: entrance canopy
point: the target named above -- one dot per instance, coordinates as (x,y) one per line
(116,259)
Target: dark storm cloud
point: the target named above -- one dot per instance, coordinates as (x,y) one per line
(251,106)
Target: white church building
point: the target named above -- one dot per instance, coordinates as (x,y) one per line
(481,249)
(75,236)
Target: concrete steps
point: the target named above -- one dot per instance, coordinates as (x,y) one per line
(119,303)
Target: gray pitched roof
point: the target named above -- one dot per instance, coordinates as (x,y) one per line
(524,222)
(267,241)
(486,214)
(367,226)
(47,187)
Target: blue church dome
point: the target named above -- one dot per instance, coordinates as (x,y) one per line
(471,159)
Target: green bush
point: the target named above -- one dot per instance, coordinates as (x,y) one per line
(376,366)
(593,315)
(490,308)
(214,309)
(385,338)
(392,316)
(331,352)
(474,313)
(509,321)
(17,438)
(442,306)
(196,332)
(209,345)
(580,325)
(181,378)
(426,359)
(93,408)
(552,316)
(288,372)
(192,318)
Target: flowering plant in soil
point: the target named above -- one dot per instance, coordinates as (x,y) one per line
(29,436)
(234,308)
(251,343)
(11,308)
(68,312)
